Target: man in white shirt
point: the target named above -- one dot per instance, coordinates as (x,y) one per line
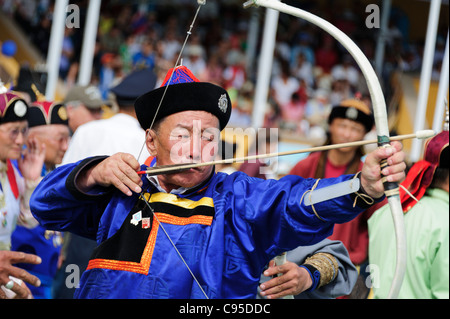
(84,104)
(121,132)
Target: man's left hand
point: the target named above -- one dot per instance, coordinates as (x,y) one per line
(371,171)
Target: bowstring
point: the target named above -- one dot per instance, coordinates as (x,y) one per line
(174,246)
(171,74)
(189,32)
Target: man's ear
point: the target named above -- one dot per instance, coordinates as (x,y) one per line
(151,141)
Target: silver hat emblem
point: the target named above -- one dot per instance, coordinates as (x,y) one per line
(351,113)
(223,103)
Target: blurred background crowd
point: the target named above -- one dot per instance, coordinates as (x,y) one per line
(311,71)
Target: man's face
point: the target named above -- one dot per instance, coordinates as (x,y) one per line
(80,114)
(345,131)
(56,139)
(185,137)
(12,138)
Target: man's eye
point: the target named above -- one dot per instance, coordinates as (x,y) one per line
(208,138)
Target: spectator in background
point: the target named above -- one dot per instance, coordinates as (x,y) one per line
(67,53)
(121,132)
(284,85)
(293,112)
(303,70)
(112,40)
(213,72)
(172,45)
(195,60)
(346,71)
(304,48)
(107,74)
(326,54)
(426,215)
(49,126)
(84,104)
(234,75)
(41,36)
(145,58)
(19,173)
(340,90)
(348,122)
(126,52)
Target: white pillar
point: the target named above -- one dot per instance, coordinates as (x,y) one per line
(252,40)
(264,70)
(55,47)
(90,34)
(442,93)
(379,54)
(425,78)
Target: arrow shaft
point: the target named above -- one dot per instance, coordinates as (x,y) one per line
(172,169)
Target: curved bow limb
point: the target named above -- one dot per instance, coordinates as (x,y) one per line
(381,123)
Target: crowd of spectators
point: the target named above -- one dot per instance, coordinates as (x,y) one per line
(311,71)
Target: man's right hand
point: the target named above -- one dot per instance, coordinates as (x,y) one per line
(118,170)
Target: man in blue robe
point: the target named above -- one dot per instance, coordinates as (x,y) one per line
(194,233)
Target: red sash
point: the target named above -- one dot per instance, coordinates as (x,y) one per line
(12,179)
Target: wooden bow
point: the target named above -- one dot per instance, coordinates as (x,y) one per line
(381,123)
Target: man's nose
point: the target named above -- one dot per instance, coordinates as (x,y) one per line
(196,148)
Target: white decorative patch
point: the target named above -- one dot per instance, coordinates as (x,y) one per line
(136,218)
(20,109)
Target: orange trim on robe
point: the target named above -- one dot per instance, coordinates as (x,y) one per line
(144,265)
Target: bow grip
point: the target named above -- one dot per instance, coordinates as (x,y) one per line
(390,188)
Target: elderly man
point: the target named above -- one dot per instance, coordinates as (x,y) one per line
(84,104)
(195,233)
(49,126)
(18,172)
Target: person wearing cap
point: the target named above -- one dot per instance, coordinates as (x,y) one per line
(83,104)
(48,124)
(226,227)
(121,132)
(426,213)
(349,121)
(19,173)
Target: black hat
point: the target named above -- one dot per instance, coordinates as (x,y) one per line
(133,86)
(185,93)
(354,110)
(27,78)
(46,113)
(12,108)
